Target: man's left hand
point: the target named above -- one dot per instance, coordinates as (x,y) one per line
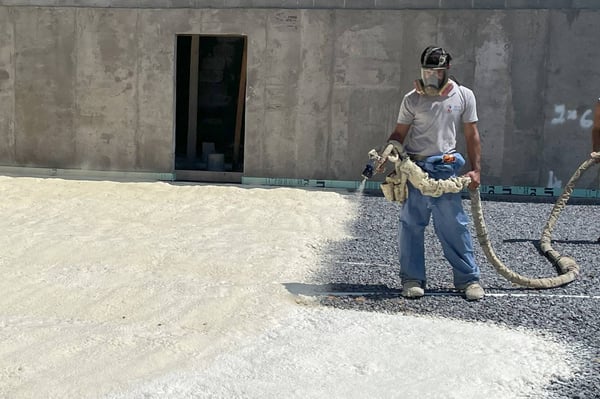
(475,179)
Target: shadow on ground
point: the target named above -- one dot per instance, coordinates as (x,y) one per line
(361,273)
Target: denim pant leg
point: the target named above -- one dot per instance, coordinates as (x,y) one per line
(414,217)
(451,226)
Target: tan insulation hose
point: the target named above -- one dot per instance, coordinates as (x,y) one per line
(394,190)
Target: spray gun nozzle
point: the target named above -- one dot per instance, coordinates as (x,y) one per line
(373,164)
(368,171)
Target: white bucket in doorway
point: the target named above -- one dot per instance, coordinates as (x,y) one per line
(216,162)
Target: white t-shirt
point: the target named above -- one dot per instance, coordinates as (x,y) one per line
(434,120)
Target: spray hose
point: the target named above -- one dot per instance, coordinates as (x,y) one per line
(394,189)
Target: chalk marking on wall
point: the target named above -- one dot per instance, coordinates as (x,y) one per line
(562,115)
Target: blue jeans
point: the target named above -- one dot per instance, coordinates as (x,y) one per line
(451,227)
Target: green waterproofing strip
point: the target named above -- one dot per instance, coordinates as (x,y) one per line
(537,191)
(284,182)
(374,185)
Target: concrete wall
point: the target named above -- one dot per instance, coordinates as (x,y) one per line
(93,87)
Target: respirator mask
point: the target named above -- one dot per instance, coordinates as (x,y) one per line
(433,81)
(435,62)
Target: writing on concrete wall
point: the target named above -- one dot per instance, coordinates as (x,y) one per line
(562,115)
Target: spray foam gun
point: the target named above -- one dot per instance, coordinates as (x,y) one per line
(391,152)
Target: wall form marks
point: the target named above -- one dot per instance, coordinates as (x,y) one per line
(93,87)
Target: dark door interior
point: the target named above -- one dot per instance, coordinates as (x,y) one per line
(209,107)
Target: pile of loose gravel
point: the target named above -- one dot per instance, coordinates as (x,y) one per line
(368,263)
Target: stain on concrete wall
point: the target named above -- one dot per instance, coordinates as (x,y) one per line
(7,89)
(44,87)
(573,81)
(106,89)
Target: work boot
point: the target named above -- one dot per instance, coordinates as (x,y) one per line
(412,289)
(474,292)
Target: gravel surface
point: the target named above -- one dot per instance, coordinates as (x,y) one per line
(368,263)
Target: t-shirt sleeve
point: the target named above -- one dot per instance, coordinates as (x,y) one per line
(470,112)
(406,114)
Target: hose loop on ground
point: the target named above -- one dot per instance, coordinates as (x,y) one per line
(567,268)
(568,272)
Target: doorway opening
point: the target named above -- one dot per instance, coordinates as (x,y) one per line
(210,105)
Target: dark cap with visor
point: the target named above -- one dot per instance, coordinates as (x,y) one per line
(435,58)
